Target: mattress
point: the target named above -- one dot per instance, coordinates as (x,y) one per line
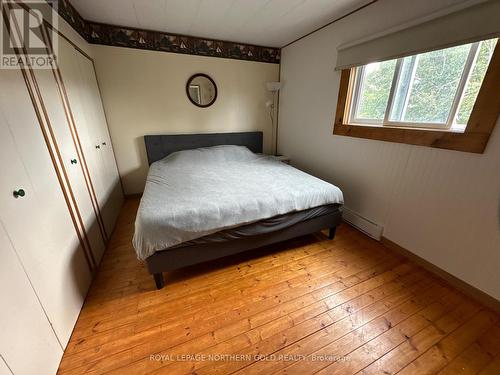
(191,194)
(264,226)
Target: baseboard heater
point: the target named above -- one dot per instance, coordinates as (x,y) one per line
(364,225)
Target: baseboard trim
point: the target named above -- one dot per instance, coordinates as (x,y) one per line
(461,285)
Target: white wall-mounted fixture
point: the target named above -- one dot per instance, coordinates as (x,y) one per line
(273,87)
(366,226)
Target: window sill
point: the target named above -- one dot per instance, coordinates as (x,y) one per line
(467,142)
(474,139)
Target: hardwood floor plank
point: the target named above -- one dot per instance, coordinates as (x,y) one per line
(440,354)
(404,332)
(339,343)
(477,356)
(349,296)
(493,368)
(192,318)
(227,274)
(288,319)
(180,336)
(415,345)
(277,345)
(206,295)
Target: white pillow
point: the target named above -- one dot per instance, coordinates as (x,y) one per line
(215,154)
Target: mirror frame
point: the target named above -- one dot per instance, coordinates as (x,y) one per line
(213,83)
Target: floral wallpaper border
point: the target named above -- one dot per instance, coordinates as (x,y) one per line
(71,15)
(98,33)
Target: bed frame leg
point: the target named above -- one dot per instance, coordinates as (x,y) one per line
(159,281)
(331,233)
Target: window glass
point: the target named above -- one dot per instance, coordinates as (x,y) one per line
(402,88)
(475,80)
(375,85)
(433,84)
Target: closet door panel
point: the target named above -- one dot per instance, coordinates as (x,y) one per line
(113,197)
(60,122)
(73,82)
(27,342)
(39,224)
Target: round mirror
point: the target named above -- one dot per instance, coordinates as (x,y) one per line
(201,90)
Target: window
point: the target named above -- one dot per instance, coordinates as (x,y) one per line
(432,92)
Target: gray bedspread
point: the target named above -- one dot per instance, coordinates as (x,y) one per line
(194,193)
(263,226)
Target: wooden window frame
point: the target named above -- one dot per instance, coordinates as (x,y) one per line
(474,139)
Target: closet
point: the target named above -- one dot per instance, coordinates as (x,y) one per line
(83,92)
(30,242)
(60,195)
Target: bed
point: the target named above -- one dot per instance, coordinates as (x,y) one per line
(212,195)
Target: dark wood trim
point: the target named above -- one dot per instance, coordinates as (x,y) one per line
(330,23)
(470,142)
(475,138)
(345,78)
(464,287)
(487,107)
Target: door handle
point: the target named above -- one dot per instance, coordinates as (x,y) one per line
(19,193)
(97,146)
(73,161)
(104,143)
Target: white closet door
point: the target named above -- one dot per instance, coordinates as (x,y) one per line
(112,198)
(39,224)
(83,119)
(27,342)
(81,83)
(61,123)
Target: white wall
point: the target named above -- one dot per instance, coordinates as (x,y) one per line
(144,93)
(442,205)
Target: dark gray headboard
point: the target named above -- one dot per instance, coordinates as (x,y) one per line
(159,146)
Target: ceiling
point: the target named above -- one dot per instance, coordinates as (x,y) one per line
(272,23)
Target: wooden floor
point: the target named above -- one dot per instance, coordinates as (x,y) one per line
(341,306)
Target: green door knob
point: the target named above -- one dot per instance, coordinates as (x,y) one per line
(73,161)
(19,193)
